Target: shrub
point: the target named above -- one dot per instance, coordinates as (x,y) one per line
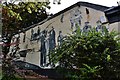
(96,55)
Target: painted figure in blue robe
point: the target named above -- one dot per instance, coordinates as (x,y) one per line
(38,34)
(38,31)
(47,48)
(87,27)
(32,34)
(60,38)
(43,49)
(52,42)
(99,26)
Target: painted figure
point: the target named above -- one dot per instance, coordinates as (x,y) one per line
(87,27)
(24,36)
(43,49)
(99,26)
(60,38)
(48,43)
(52,42)
(88,15)
(62,16)
(47,47)
(38,34)
(38,31)
(75,19)
(32,33)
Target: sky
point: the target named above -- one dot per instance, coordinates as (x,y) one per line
(66,3)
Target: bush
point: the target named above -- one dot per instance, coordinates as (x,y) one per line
(96,55)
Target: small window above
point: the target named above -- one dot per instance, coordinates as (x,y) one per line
(87,11)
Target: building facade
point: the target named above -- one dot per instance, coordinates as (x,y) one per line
(38,40)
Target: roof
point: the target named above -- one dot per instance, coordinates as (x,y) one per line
(91,5)
(113,14)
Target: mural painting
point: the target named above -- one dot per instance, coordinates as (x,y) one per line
(52,42)
(47,47)
(60,38)
(88,15)
(35,35)
(47,44)
(32,33)
(75,19)
(87,27)
(24,36)
(42,49)
(15,43)
(62,17)
(99,26)
(38,31)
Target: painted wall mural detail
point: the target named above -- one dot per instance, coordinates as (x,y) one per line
(99,26)
(43,49)
(48,43)
(24,36)
(47,47)
(88,15)
(102,19)
(32,33)
(62,17)
(15,43)
(60,38)
(52,42)
(35,35)
(75,19)
(87,27)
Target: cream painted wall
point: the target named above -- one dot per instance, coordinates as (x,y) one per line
(114,27)
(65,27)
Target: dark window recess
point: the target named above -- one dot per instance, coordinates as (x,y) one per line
(87,11)
(62,18)
(113,14)
(24,37)
(23,53)
(112,19)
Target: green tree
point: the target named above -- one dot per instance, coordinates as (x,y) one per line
(95,55)
(17,17)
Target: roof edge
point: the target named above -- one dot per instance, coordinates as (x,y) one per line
(80,3)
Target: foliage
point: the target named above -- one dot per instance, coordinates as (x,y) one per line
(19,16)
(16,17)
(91,53)
(10,78)
(8,71)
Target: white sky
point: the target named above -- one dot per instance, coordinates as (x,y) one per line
(66,3)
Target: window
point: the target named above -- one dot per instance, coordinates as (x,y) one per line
(87,11)
(24,35)
(62,18)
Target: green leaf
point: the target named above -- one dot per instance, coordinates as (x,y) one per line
(108,58)
(29,10)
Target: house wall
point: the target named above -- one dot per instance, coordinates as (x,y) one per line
(114,27)
(61,23)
